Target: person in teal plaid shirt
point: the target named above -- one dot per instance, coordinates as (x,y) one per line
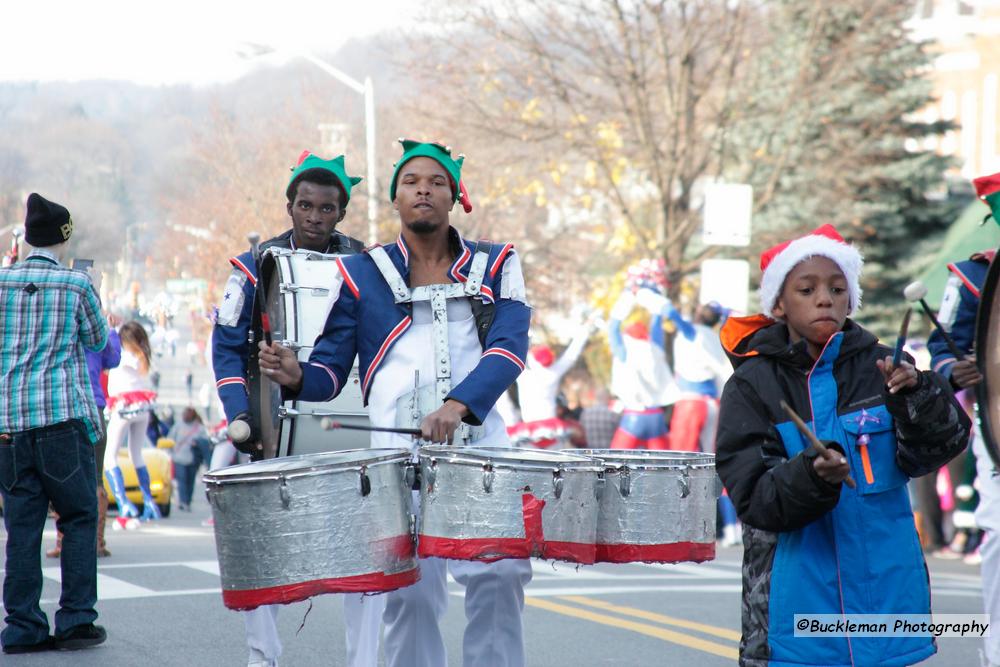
(48,426)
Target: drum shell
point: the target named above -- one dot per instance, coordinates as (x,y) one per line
(657,506)
(295,285)
(521,515)
(304,530)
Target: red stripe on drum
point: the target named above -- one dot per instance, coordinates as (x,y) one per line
(489,549)
(377,582)
(674,552)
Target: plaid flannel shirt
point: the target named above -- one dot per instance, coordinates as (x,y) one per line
(48,314)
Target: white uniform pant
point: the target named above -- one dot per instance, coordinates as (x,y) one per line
(494,601)
(362,623)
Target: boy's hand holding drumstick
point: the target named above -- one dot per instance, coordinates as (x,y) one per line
(831,466)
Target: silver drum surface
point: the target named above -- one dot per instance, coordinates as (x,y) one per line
(657,506)
(492,503)
(290,528)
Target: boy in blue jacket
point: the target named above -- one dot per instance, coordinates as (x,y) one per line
(813,546)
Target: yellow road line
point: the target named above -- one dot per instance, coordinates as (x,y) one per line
(653,616)
(641,628)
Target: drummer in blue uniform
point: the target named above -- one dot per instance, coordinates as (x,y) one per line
(318,194)
(959,306)
(440,328)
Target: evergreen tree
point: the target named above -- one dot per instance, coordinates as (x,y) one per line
(831,136)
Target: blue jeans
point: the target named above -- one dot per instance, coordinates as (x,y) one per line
(187,473)
(50,464)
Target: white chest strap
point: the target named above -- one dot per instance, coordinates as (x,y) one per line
(438,296)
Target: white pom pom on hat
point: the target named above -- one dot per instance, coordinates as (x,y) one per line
(824,241)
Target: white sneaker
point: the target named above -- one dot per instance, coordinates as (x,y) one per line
(258,659)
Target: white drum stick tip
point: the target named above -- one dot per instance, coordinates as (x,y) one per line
(239,431)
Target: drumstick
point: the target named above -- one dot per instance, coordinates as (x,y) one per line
(811,437)
(897,354)
(916,291)
(328,424)
(265,321)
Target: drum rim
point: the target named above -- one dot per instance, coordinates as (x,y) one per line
(651,459)
(388,455)
(493,456)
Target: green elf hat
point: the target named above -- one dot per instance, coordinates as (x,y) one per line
(440,154)
(335,166)
(988,189)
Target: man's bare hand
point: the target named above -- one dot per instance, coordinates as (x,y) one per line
(965,373)
(280,364)
(832,466)
(898,378)
(440,425)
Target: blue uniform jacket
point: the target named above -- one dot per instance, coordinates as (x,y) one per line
(230,337)
(365,321)
(958,311)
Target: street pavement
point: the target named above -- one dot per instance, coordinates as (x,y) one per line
(160,602)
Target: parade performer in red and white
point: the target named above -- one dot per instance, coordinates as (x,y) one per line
(453,314)
(537,389)
(640,375)
(130,400)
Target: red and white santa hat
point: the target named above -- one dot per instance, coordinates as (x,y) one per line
(776,263)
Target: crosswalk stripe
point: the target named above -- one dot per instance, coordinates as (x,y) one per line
(108,588)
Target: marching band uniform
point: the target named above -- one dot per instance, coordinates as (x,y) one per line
(957,315)
(230,355)
(374,315)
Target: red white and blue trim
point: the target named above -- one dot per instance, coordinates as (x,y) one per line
(348,280)
(506,354)
(459,263)
(393,336)
(223,382)
(401,244)
(235,261)
(498,262)
(333,378)
(968,282)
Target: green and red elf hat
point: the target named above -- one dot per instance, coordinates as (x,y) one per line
(988,189)
(307,161)
(440,154)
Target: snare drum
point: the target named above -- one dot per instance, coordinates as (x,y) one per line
(290,528)
(658,506)
(296,286)
(491,503)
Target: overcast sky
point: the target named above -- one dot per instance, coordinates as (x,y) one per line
(176,41)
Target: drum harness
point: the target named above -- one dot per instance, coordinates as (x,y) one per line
(412,407)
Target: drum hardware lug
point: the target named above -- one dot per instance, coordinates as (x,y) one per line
(411,475)
(366,484)
(285,413)
(625,481)
(599,487)
(685,482)
(214,500)
(488,476)
(286,496)
(413,526)
(292,345)
(557,481)
(431,475)
(285,288)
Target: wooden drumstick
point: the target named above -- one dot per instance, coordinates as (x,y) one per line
(811,437)
(328,424)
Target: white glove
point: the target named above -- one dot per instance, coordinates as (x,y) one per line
(651,301)
(623,306)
